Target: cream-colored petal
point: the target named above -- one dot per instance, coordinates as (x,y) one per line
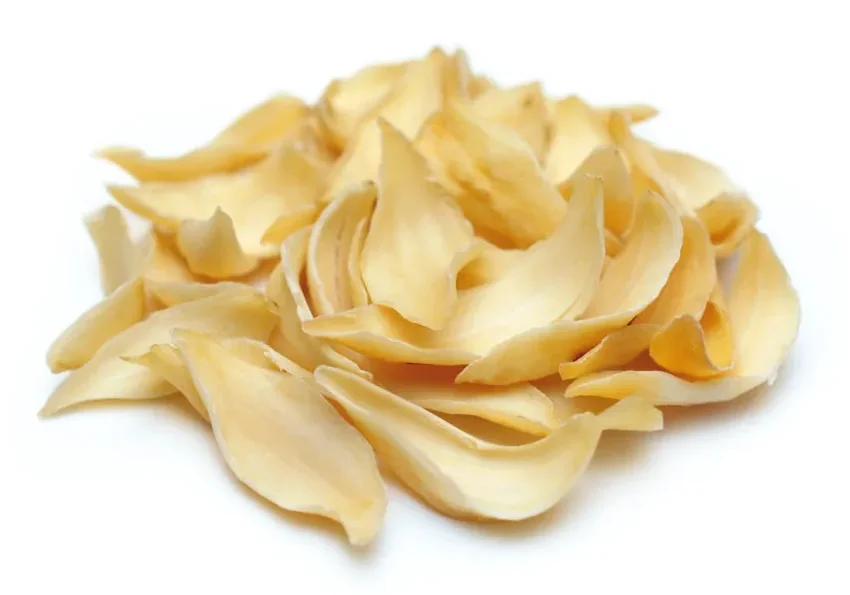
(283,440)
(212,249)
(628,285)
(493,175)
(164,361)
(490,264)
(765,314)
(728,218)
(160,260)
(544,284)
(520,407)
(523,109)
(167,294)
(285,184)
(120,259)
(284,288)
(245,141)
(617,349)
(107,376)
(607,163)
(114,314)
(330,242)
(458,77)
(417,95)
(691,281)
(285,225)
(696,182)
(346,102)
(577,132)
(357,287)
(635,113)
(415,236)
(455,472)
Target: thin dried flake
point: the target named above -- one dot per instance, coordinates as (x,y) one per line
(164,361)
(548,281)
(108,376)
(523,109)
(520,407)
(764,311)
(635,113)
(331,241)
(416,235)
(167,294)
(114,314)
(285,225)
(630,282)
(346,102)
(357,287)
(211,248)
(457,473)
(490,264)
(458,76)
(417,95)
(728,218)
(608,164)
(244,142)
(493,175)
(283,440)
(122,259)
(613,244)
(615,350)
(577,131)
(285,184)
(284,288)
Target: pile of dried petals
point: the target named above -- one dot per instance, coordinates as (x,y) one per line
(335,285)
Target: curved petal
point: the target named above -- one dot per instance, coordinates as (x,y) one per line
(212,249)
(357,287)
(522,109)
(275,430)
(577,132)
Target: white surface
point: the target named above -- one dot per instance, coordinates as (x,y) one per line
(134,499)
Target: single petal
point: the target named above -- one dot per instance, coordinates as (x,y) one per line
(120,259)
(283,440)
(490,264)
(415,235)
(455,472)
(285,184)
(548,281)
(244,142)
(728,218)
(357,287)
(630,282)
(284,288)
(521,406)
(493,175)
(107,376)
(636,113)
(695,182)
(346,102)
(417,95)
(285,225)
(114,314)
(523,109)
(212,249)
(164,361)
(577,132)
(167,294)
(330,242)
(458,77)
(615,350)
(765,314)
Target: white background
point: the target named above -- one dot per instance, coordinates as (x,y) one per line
(745,497)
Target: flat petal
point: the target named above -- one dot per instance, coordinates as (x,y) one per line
(108,376)
(545,284)
(114,314)
(276,431)
(630,282)
(415,235)
(455,472)
(329,245)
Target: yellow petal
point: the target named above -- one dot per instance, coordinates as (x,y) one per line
(458,76)
(212,249)
(346,102)
(415,237)
(629,284)
(120,259)
(635,113)
(164,361)
(695,182)
(520,407)
(330,243)
(548,281)
(357,287)
(417,95)
(493,175)
(114,314)
(608,164)
(285,184)
(489,264)
(244,142)
(107,376)
(276,432)
(617,349)
(167,294)
(455,472)
(728,218)
(765,316)
(285,225)
(577,132)
(284,288)
(523,109)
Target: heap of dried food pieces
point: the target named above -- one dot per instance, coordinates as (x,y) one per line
(336,285)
